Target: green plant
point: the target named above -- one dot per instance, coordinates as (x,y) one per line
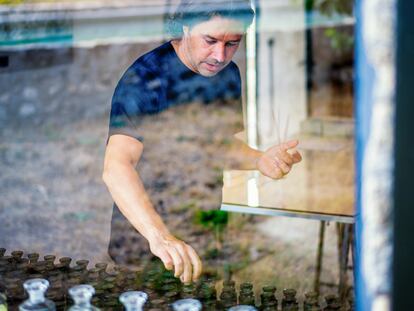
(213,220)
(340,41)
(330,7)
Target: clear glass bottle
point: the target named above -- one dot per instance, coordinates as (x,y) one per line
(187,305)
(82,295)
(242,308)
(133,300)
(3,302)
(36,289)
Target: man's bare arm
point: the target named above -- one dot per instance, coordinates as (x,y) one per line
(125,185)
(275,162)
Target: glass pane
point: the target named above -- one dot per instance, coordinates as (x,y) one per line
(224,125)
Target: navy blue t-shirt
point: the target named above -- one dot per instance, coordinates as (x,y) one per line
(159,80)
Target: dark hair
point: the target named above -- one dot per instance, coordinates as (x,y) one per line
(192,12)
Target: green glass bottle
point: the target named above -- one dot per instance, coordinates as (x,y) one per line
(228,296)
(17,255)
(332,303)
(246,296)
(351,303)
(33,257)
(289,302)
(268,298)
(311,302)
(188,291)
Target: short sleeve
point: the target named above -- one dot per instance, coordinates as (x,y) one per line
(135,95)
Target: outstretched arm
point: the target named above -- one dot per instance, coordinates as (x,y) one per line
(275,162)
(125,185)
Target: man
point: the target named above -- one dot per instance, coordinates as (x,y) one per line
(196,66)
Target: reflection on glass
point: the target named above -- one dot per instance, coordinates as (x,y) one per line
(60,66)
(252,191)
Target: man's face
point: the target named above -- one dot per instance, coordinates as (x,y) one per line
(210,46)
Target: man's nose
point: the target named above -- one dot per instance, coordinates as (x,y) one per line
(219,53)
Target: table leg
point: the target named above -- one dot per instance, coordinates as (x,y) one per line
(343,267)
(319,256)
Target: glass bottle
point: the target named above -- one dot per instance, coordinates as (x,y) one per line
(3,302)
(289,302)
(82,295)
(333,303)
(228,296)
(311,302)
(2,251)
(64,263)
(17,255)
(246,296)
(50,259)
(102,266)
(188,304)
(351,303)
(82,263)
(208,294)
(133,300)
(188,291)
(242,308)
(36,289)
(268,298)
(33,257)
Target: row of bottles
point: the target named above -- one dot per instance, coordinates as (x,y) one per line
(80,294)
(160,286)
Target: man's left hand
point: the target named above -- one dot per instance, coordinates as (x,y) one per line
(277,161)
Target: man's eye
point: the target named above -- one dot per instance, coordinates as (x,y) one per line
(210,41)
(232,43)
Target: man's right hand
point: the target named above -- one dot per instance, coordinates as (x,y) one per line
(177,255)
(127,189)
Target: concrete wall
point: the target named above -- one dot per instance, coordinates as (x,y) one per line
(281,102)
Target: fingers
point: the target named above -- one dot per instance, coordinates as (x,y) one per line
(187,264)
(285,168)
(188,269)
(178,261)
(289,144)
(166,260)
(285,157)
(296,157)
(178,255)
(196,262)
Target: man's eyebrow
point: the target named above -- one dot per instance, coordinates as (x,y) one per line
(215,39)
(210,37)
